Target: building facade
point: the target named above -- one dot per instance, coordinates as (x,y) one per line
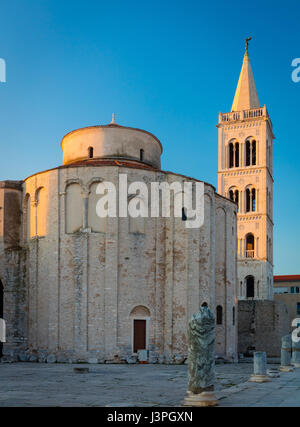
(76,287)
(245,175)
(287,291)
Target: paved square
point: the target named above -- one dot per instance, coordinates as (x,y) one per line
(34,384)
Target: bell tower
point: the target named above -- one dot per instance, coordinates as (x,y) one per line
(245,175)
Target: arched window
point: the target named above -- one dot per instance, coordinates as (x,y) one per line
(219,315)
(234,195)
(253,194)
(41,211)
(253,153)
(91,152)
(236,198)
(183,215)
(237,154)
(250,287)
(234,154)
(248,153)
(250,200)
(231,155)
(73,208)
(95,223)
(250,246)
(142,155)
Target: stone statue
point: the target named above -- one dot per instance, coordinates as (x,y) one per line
(201,359)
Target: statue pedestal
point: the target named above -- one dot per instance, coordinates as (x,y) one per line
(259,378)
(206,398)
(286,368)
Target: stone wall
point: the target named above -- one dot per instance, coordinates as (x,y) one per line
(12,268)
(83,287)
(261,326)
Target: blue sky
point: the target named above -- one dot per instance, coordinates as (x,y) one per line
(165,66)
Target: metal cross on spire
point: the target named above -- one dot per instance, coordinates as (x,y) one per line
(247,42)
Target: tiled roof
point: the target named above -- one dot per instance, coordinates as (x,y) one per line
(287,278)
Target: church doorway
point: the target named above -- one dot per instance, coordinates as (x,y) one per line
(139,335)
(1,311)
(250,287)
(140,318)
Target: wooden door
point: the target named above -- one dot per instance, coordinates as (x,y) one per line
(139,335)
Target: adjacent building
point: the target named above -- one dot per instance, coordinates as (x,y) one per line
(287,291)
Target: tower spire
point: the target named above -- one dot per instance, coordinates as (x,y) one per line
(246,95)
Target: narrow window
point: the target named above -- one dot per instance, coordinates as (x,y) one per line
(231,155)
(297,289)
(248,151)
(183,215)
(253,152)
(248,201)
(91,152)
(219,315)
(236,198)
(253,200)
(298,308)
(141,155)
(231,195)
(292,290)
(237,155)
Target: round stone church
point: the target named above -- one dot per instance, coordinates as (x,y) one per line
(77,287)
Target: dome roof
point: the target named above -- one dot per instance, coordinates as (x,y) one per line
(111,141)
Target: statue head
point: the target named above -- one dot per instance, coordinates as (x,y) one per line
(202,322)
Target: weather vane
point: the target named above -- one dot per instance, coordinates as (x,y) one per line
(247,42)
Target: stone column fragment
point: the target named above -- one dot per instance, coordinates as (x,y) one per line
(296,354)
(260,367)
(286,349)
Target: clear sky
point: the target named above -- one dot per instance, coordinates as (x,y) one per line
(166,66)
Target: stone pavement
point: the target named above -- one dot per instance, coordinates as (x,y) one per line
(37,384)
(279,392)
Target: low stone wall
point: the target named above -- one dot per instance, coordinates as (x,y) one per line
(261,324)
